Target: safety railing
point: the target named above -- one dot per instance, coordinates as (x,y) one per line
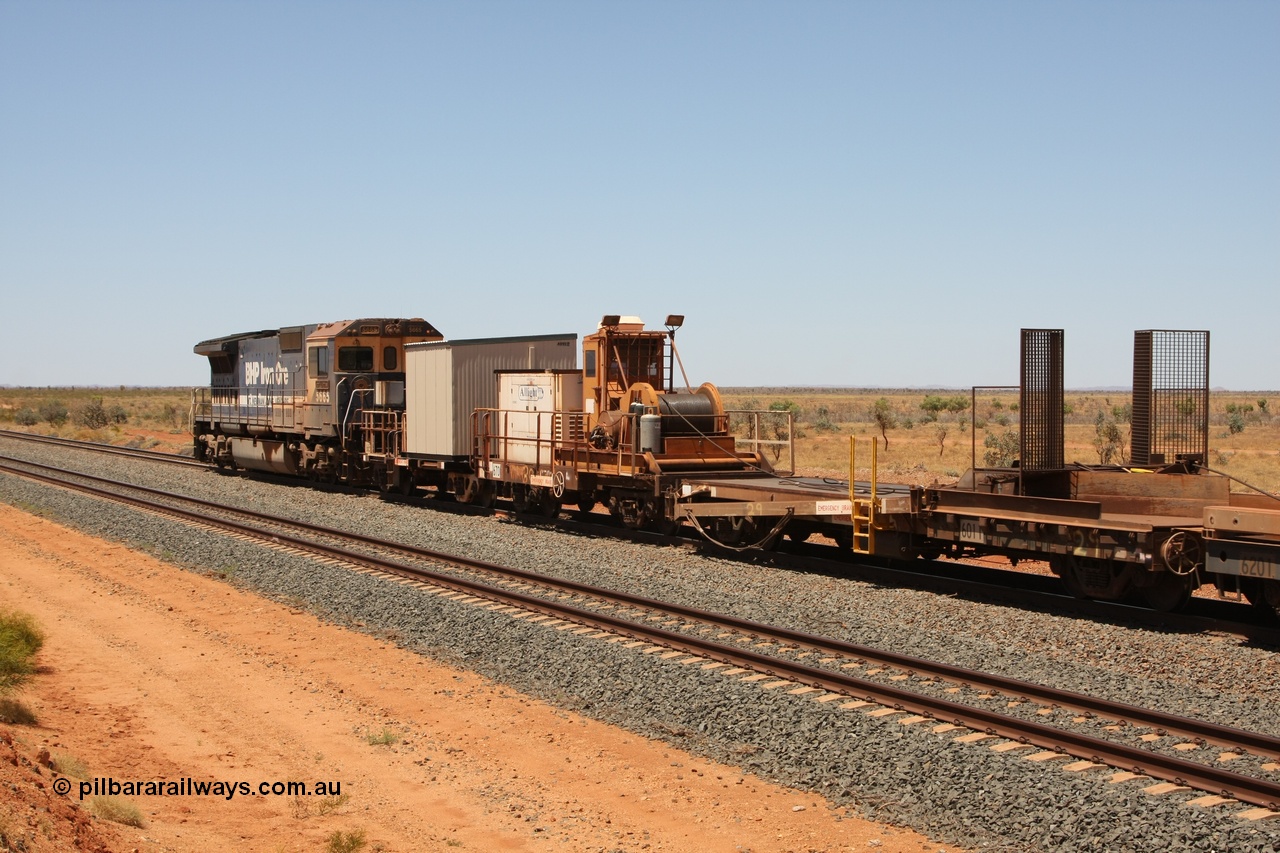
(771,431)
(541,440)
(270,406)
(383,431)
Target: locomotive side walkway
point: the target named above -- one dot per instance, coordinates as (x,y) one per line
(157,673)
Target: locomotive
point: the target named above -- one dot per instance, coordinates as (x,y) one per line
(284,400)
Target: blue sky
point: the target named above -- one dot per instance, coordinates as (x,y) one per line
(859,193)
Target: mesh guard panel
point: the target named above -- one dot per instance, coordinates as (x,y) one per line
(1170,396)
(1041,400)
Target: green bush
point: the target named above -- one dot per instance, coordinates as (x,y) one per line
(26,417)
(54,412)
(20,639)
(1002,449)
(346,842)
(93,414)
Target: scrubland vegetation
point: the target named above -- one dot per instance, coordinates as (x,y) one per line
(936,434)
(141,417)
(922,434)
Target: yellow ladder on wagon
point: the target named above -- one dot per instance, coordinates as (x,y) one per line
(863,514)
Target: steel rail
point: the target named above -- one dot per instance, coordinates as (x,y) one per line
(1180,771)
(1166,723)
(98,447)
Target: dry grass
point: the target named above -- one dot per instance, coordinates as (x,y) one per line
(117,810)
(16,713)
(69,765)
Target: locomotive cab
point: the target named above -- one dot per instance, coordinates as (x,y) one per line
(356,365)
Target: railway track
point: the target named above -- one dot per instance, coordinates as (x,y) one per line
(770,652)
(946,577)
(110,449)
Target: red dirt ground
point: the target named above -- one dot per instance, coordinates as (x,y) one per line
(154,673)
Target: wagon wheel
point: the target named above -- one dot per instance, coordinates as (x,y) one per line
(520,497)
(658,521)
(1069,572)
(1167,593)
(731,530)
(485,496)
(547,503)
(470,492)
(1262,593)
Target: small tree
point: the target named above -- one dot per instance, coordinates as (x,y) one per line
(1002,449)
(93,415)
(932,407)
(935,405)
(885,418)
(54,412)
(1107,439)
(940,432)
(822,420)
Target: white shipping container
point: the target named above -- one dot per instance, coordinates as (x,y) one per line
(529,425)
(446,381)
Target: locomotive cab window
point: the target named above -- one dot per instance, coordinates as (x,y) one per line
(389,359)
(318,362)
(353,359)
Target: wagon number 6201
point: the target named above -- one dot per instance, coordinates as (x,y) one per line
(970,531)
